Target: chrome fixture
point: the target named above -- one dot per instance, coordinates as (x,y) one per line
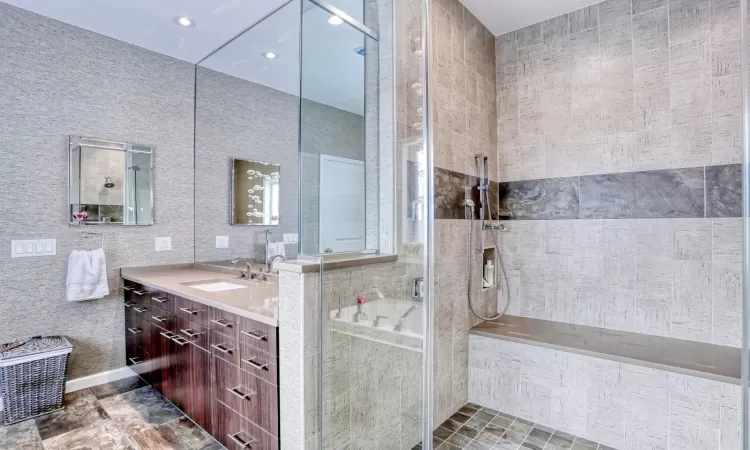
(376,322)
(359,314)
(417,290)
(108,182)
(248,263)
(273,259)
(400,325)
(484,202)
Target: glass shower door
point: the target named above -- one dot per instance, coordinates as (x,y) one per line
(366,195)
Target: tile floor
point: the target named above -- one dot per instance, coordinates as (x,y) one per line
(476,428)
(125,414)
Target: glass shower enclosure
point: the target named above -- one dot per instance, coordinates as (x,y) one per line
(365,197)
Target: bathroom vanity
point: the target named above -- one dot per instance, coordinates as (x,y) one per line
(207,341)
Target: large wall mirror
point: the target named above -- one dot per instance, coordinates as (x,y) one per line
(255,193)
(110,182)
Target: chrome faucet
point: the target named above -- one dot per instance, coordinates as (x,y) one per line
(275,257)
(249,265)
(400,325)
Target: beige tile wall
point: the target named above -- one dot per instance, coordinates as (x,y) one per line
(620,405)
(620,86)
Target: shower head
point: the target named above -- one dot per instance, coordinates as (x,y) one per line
(135,168)
(108,182)
(469,203)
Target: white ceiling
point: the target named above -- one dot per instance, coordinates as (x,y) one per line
(502,16)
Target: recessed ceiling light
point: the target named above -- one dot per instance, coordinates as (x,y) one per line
(335,20)
(269,55)
(184,21)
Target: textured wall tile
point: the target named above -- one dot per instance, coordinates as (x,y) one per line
(647,415)
(652,315)
(506,55)
(691,104)
(539,199)
(584,19)
(530,60)
(559,237)
(726,140)
(691,307)
(615,30)
(691,144)
(653,149)
(725,19)
(727,239)
(652,107)
(691,61)
(606,403)
(654,279)
(695,412)
(724,191)
(727,303)
(654,239)
(662,193)
(688,20)
(640,6)
(619,238)
(650,30)
(531,35)
(450,192)
(726,96)
(692,239)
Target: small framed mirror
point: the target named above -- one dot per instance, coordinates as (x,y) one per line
(255,193)
(110,182)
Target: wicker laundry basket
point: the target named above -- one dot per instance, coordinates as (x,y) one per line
(32,377)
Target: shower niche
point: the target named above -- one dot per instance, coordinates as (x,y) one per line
(111,182)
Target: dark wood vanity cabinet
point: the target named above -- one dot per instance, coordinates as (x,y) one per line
(220,369)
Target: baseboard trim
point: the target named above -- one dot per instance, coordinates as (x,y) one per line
(98,378)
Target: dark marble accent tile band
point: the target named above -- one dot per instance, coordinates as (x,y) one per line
(668,193)
(712,191)
(451,190)
(547,199)
(724,191)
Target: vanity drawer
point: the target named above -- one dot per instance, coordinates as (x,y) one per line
(163,319)
(255,399)
(237,433)
(224,323)
(259,363)
(141,310)
(258,335)
(225,348)
(139,296)
(136,330)
(162,300)
(193,311)
(193,332)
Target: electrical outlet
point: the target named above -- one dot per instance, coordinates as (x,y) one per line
(291,238)
(162,244)
(222,241)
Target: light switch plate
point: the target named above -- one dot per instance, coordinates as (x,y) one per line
(162,244)
(34,247)
(222,241)
(291,238)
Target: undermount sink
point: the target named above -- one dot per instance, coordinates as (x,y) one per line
(216,285)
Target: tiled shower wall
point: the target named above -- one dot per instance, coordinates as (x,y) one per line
(463,64)
(618,144)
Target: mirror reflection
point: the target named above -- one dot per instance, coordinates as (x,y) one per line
(110,182)
(255,193)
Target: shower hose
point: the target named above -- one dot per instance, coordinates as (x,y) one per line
(484,198)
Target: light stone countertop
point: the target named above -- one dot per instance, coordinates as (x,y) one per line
(259,300)
(698,359)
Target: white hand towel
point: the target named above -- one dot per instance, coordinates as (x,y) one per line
(87,275)
(279,249)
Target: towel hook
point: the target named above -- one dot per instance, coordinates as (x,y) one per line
(88,234)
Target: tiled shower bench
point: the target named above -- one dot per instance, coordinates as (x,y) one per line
(625,390)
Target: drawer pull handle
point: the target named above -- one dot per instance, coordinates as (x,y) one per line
(179,341)
(160,299)
(140,292)
(239,441)
(191,310)
(222,349)
(129,304)
(259,337)
(189,333)
(235,391)
(127,288)
(160,319)
(168,334)
(135,330)
(135,360)
(140,310)
(254,364)
(223,323)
